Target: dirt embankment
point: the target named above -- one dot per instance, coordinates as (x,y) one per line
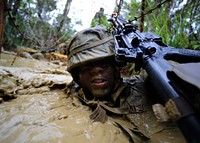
(35,108)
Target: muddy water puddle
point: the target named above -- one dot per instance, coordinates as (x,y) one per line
(35,109)
(52,117)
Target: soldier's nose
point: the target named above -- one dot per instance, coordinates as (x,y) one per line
(96,70)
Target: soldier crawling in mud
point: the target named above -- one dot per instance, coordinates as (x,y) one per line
(97,83)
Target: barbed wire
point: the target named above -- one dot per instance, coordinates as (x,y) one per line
(118,5)
(144,13)
(151,10)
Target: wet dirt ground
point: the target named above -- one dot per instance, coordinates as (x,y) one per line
(35,109)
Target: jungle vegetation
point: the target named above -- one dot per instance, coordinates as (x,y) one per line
(29,23)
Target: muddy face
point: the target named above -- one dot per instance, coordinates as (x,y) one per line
(98,78)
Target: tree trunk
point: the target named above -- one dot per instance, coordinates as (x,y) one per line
(142,15)
(65,13)
(2,20)
(64,17)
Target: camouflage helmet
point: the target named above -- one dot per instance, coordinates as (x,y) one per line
(89,45)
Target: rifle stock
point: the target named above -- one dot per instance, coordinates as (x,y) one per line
(148,51)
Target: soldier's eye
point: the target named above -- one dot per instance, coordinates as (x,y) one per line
(106,65)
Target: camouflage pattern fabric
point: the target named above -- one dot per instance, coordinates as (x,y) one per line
(89,45)
(131,111)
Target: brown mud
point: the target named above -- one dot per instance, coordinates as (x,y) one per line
(35,109)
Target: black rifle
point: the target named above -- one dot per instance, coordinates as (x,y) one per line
(148,51)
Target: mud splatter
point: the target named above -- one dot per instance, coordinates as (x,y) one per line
(35,108)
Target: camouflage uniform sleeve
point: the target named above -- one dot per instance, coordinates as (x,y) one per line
(136,93)
(147,126)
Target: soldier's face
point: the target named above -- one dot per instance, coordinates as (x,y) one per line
(98,78)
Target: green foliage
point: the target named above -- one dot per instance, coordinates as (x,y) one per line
(195,45)
(132,9)
(102,20)
(178,26)
(32,25)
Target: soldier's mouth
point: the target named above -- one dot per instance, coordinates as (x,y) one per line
(99,81)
